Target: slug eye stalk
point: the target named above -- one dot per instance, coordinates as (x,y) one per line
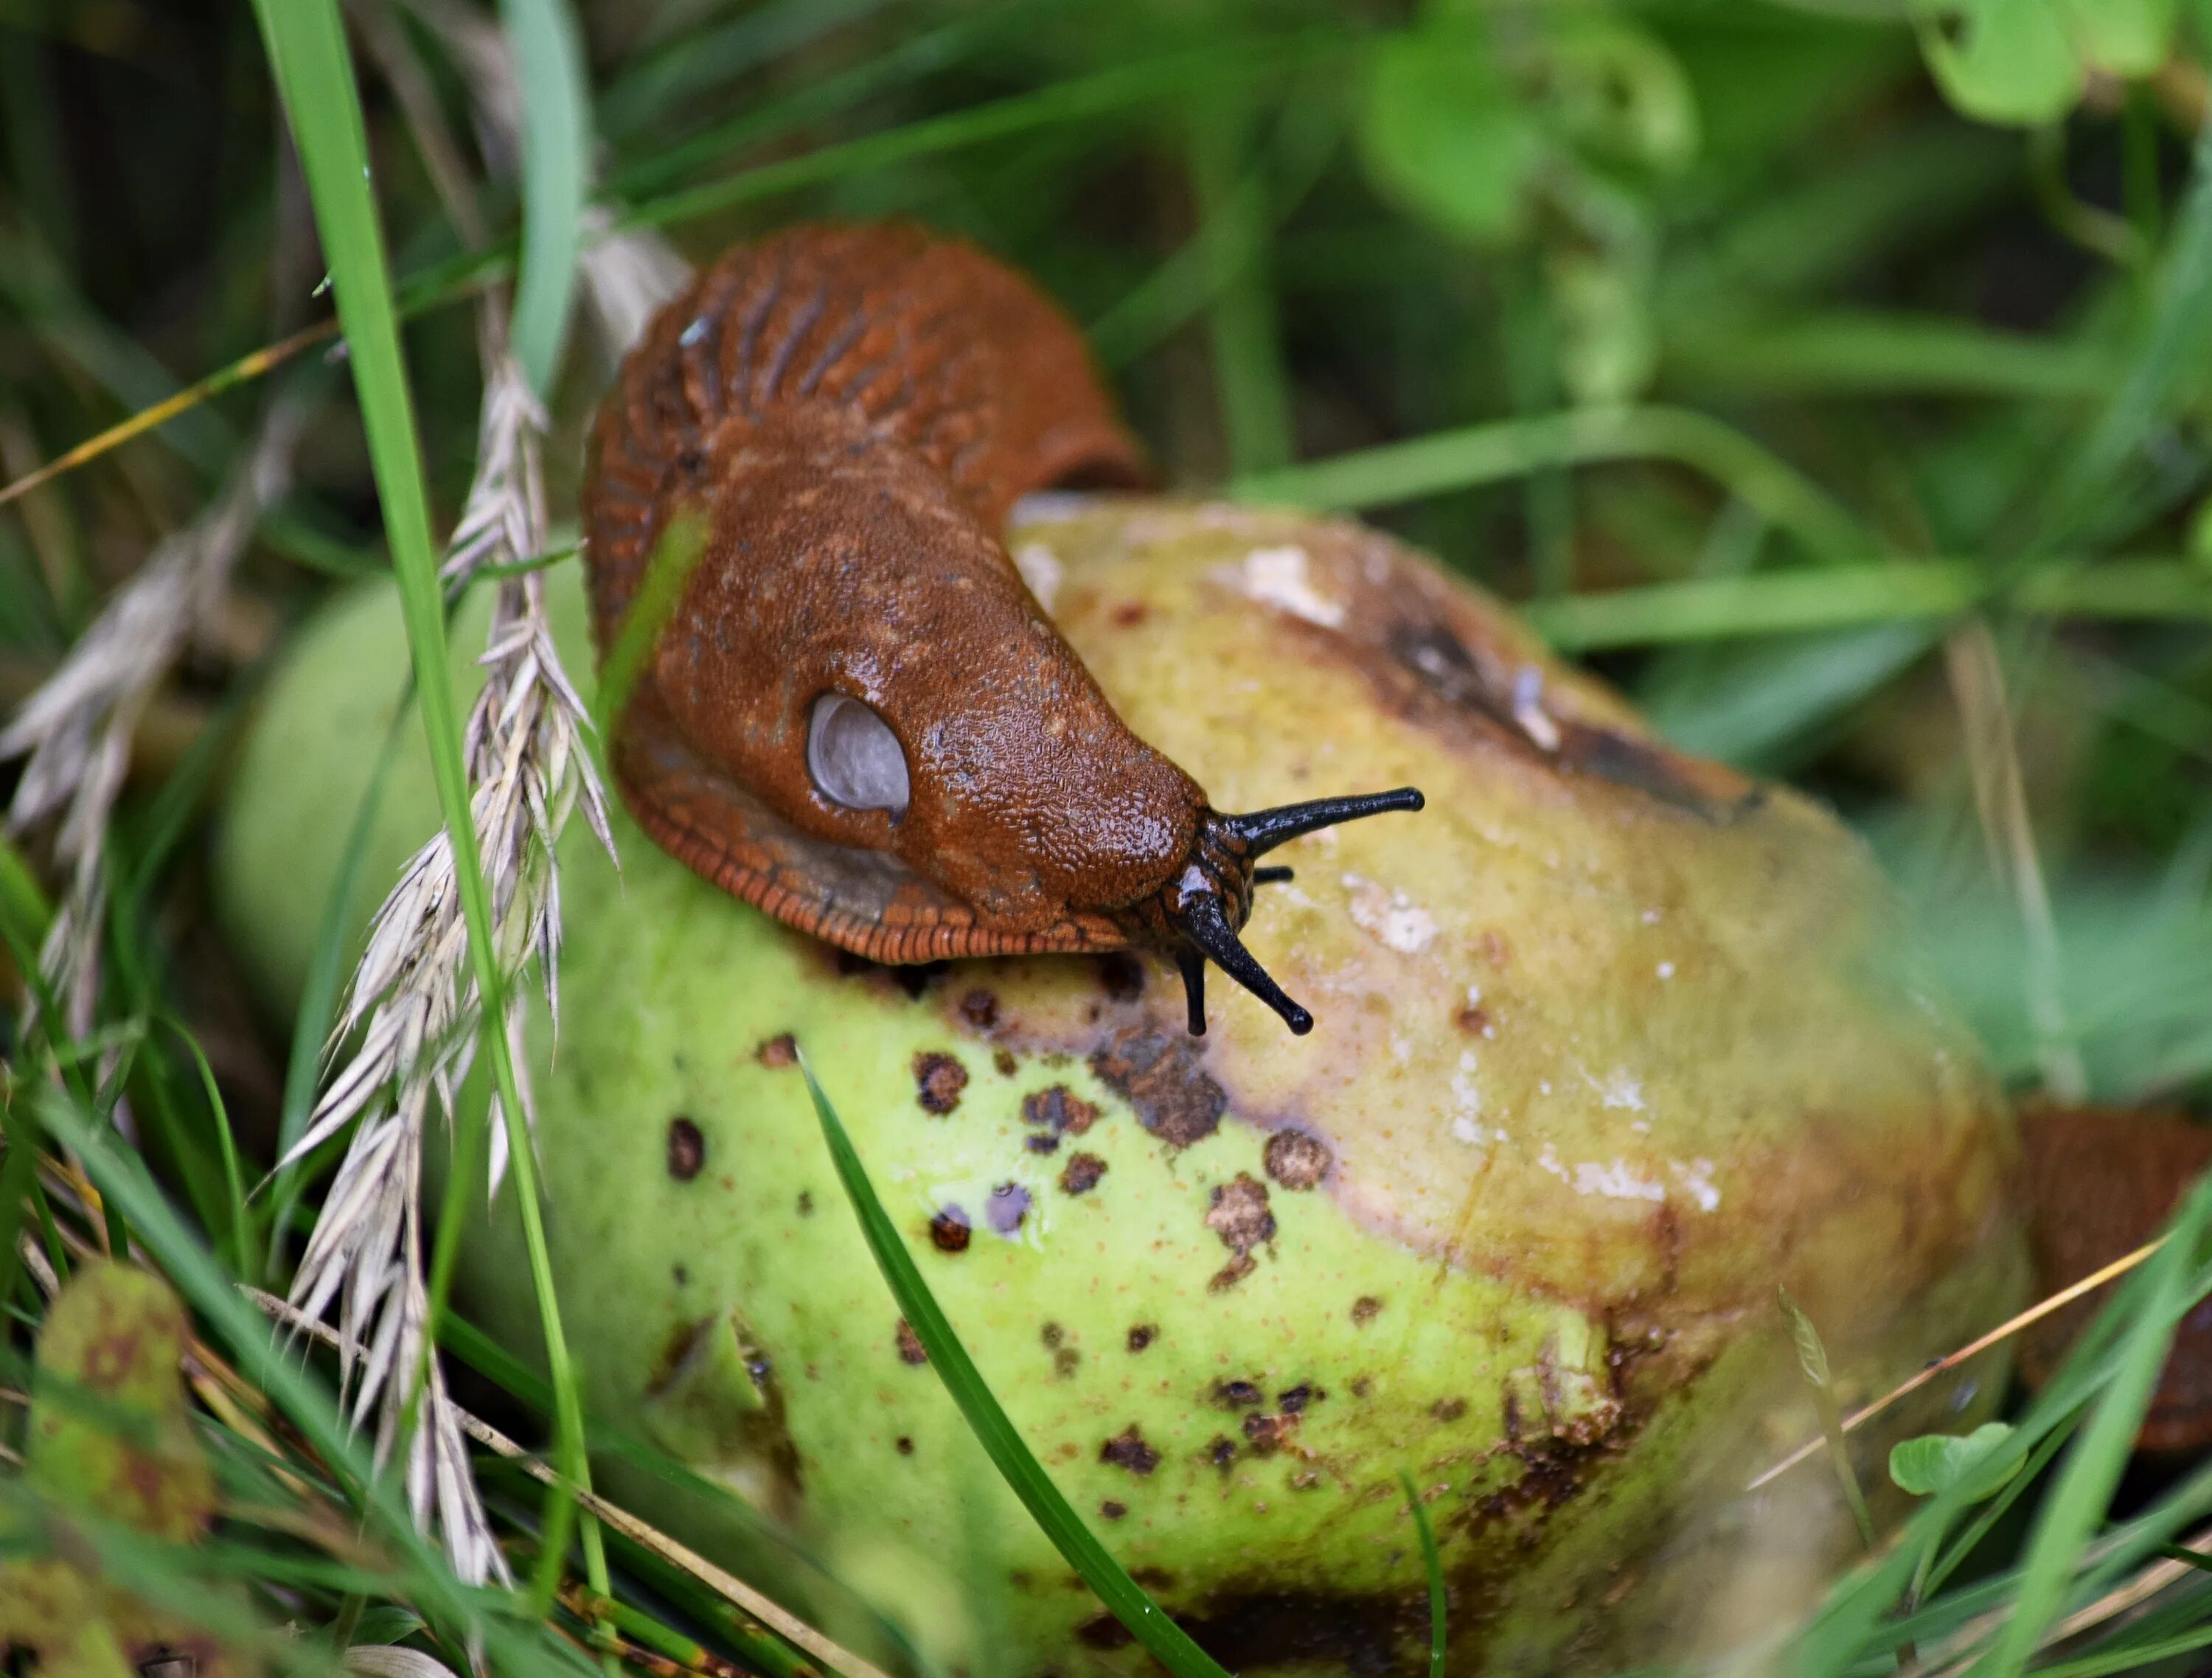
(1212,897)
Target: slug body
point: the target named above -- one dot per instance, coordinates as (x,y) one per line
(857,717)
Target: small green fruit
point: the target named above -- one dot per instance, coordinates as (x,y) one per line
(1611,1045)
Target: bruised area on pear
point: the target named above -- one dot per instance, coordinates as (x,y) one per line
(1610,1043)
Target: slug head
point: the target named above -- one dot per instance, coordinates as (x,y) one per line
(1195,917)
(854,714)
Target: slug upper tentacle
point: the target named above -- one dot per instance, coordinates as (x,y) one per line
(858,718)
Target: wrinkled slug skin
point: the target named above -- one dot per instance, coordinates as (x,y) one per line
(853,412)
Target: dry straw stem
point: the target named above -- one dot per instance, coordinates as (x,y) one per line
(76,729)
(411,999)
(1977,686)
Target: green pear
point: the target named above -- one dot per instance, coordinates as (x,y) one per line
(1611,1044)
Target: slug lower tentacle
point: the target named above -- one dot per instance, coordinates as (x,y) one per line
(857,717)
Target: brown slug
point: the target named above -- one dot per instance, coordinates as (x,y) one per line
(857,717)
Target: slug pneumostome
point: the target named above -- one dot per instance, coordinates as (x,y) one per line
(857,717)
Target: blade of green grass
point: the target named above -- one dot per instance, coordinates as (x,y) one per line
(1863,351)
(314,73)
(1433,1564)
(1842,597)
(1123,1597)
(464,273)
(909,59)
(2167,354)
(242,1255)
(1124,87)
(1492,453)
(1252,389)
(2076,1505)
(23,906)
(556,172)
(2133,1658)
(695,64)
(676,555)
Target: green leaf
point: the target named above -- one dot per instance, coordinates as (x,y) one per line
(2026,61)
(1446,135)
(2128,38)
(1616,91)
(1120,1594)
(1811,1355)
(110,1432)
(1937,1461)
(2002,61)
(556,163)
(1512,448)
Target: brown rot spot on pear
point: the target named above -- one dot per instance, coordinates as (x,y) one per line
(1365,1309)
(1058,1111)
(1158,1074)
(806,1203)
(1041,1144)
(687,1149)
(1065,1358)
(950,1230)
(1113,1510)
(778,1052)
(1505,699)
(980,1009)
(1142,1336)
(1451,1409)
(916,978)
(1122,977)
(1002,1061)
(1081,1174)
(1238,1212)
(1294,1402)
(1103,1631)
(1268,1434)
(938,1079)
(1474,1020)
(1128,1449)
(1231,1273)
(1296,1160)
(682,1341)
(1008,1205)
(903,1445)
(1222,1452)
(1236,1394)
(910,1348)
